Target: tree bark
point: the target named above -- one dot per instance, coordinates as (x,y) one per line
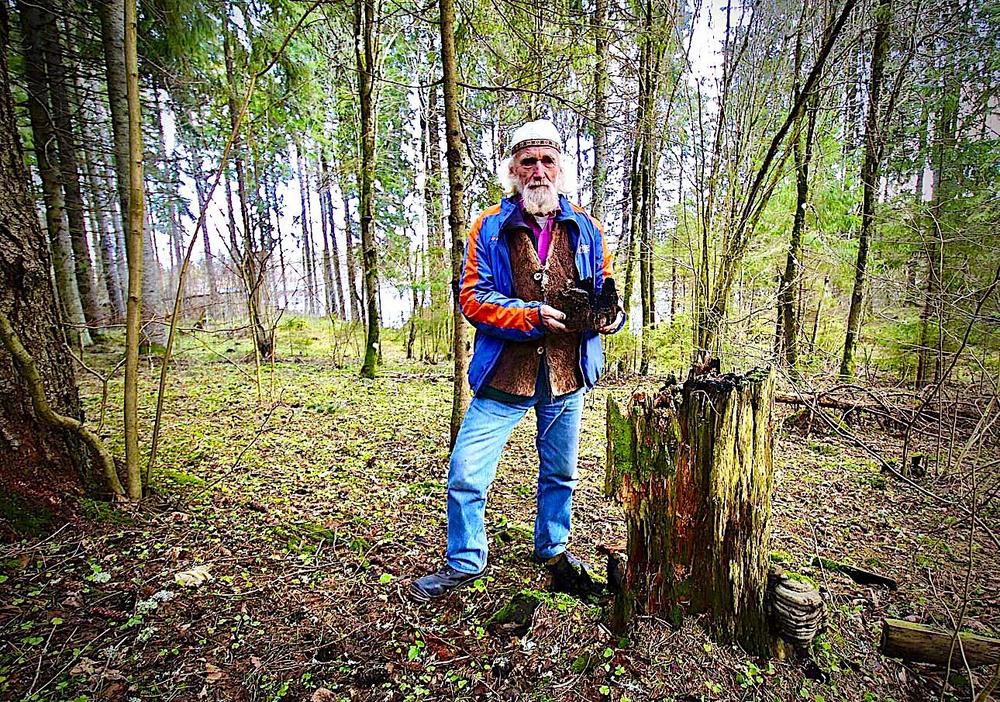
(456,217)
(59,80)
(308,270)
(599,125)
(43,133)
(38,458)
(103,217)
(788,318)
(437,252)
(349,255)
(369,62)
(134,250)
(169,179)
(340,306)
(329,296)
(869,181)
(693,472)
(213,290)
(929,359)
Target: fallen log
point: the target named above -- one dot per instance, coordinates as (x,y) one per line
(905,412)
(858,575)
(926,644)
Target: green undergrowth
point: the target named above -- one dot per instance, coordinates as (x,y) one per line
(25,519)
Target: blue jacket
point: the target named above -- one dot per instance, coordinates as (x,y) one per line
(486,288)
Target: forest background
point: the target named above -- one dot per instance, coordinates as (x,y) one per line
(240,195)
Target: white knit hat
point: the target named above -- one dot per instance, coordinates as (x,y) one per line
(541,132)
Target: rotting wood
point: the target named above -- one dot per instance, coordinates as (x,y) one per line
(926,644)
(883,408)
(692,469)
(858,575)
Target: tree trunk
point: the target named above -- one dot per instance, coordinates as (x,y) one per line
(154,324)
(134,249)
(437,253)
(928,368)
(103,217)
(693,472)
(787,310)
(213,290)
(59,80)
(340,306)
(349,255)
(634,224)
(869,180)
(44,139)
(38,459)
(599,125)
(306,241)
(369,62)
(169,180)
(650,82)
(456,217)
(252,276)
(329,296)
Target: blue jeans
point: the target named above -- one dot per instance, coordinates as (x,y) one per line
(484,432)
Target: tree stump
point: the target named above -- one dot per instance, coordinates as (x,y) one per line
(692,470)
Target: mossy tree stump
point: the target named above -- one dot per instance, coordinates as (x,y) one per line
(692,469)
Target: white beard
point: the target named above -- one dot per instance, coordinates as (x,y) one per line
(539,201)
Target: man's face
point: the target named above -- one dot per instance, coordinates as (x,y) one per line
(535,172)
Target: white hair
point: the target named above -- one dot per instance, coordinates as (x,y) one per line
(565,182)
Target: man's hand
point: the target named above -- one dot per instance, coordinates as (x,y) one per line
(612,326)
(552,319)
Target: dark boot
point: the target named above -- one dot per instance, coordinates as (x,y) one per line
(440,583)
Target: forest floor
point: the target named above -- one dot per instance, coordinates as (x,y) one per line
(312,510)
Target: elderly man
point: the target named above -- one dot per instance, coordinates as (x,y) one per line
(521,258)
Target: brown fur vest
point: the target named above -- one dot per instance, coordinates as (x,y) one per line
(517,369)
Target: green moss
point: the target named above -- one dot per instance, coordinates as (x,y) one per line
(179,478)
(621,446)
(802,579)
(425,487)
(581,664)
(781,557)
(521,607)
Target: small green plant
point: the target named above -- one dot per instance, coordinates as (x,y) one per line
(750,676)
(415,650)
